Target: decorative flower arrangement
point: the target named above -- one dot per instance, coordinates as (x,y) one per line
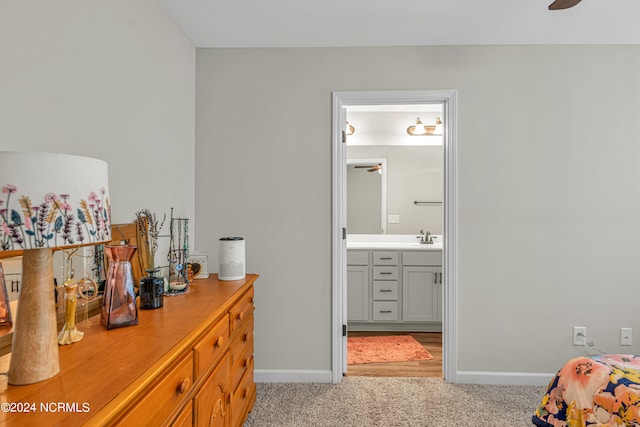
(149,228)
(52,223)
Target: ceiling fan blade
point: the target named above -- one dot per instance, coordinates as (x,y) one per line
(563,4)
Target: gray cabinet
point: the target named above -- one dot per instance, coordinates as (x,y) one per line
(357,285)
(422,286)
(394,290)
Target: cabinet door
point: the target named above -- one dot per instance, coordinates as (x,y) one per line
(212,401)
(420,294)
(357,292)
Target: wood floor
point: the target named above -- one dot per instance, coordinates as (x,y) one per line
(432,341)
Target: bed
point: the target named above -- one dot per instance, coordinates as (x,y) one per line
(602,390)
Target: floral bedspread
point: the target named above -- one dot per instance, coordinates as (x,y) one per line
(601,390)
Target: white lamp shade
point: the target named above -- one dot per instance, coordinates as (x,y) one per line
(52,200)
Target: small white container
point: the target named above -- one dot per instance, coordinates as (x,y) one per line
(231,256)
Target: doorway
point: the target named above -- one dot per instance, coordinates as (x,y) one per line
(341,101)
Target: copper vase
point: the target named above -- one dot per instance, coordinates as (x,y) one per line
(119,300)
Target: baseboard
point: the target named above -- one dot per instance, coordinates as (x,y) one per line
(462,377)
(503,378)
(291,376)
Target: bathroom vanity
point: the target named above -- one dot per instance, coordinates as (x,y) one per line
(394,283)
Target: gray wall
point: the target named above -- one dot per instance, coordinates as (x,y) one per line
(548,190)
(113,80)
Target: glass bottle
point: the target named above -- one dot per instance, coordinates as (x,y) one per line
(5,308)
(151,290)
(70,333)
(119,300)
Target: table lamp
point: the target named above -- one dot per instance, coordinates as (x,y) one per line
(48,201)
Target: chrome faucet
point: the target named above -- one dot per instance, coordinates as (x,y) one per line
(425,239)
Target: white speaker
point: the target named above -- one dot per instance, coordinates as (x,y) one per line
(231,258)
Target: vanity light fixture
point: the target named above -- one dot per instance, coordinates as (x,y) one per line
(420,129)
(350,130)
(439,127)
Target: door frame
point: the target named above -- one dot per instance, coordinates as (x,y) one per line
(342,99)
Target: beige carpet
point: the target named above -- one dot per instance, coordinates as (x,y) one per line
(388,402)
(385,348)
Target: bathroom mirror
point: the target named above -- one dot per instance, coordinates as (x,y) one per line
(413,172)
(367,195)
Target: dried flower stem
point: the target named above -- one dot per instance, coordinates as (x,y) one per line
(149,227)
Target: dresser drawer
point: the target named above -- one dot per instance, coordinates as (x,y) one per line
(241,311)
(242,342)
(385,290)
(163,397)
(385,273)
(385,310)
(243,397)
(211,346)
(241,364)
(385,258)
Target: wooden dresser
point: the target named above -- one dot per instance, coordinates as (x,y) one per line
(187,363)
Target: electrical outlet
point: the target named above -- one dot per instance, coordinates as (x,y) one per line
(579,335)
(625,336)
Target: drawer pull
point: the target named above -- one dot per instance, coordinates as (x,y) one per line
(241,315)
(218,342)
(386,311)
(245,338)
(386,272)
(386,290)
(385,257)
(184,385)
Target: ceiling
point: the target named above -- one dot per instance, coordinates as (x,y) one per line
(333,23)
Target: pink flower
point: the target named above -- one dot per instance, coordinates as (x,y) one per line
(581,378)
(93,197)
(50,198)
(9,189)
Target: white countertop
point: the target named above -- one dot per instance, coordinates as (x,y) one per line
(392,242)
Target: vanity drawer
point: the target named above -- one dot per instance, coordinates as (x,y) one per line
(241,311)
(385,258)
(385,310)
(422,257)
(163,397)
(385,273)
(357,258)
(211,346)
(385,290)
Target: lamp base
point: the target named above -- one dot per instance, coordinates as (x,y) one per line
(34,350)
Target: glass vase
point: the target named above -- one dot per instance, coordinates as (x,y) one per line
(151,290)
(5,308)
(70,333)
(119,300)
